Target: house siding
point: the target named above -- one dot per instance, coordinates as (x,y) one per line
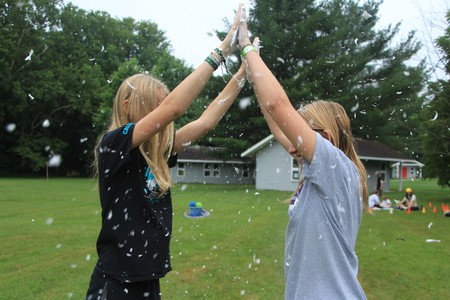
(371,167)
(274,169)
(229,173)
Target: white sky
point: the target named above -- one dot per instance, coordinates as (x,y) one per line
(187,23)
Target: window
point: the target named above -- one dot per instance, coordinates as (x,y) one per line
(295,170)
(211,170)
(180,169)
(245,171)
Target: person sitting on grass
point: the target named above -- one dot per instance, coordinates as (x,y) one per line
(374,200)
(386,203)
(409,201)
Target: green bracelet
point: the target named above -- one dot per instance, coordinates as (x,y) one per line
(212,63)
(247,49)
(220,54)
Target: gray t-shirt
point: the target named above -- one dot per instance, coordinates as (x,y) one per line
(320,262)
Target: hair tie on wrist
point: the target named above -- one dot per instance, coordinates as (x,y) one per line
(247,49)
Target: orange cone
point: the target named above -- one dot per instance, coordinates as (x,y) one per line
(409,210)
(424,210)
(430,205)
(434,209)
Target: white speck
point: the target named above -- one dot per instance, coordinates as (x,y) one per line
(88,257)
(186,144)
(55,161)
(46,123)
(278,170)
(355,108)
(69,295)
(29,55)
(184,187)
(73,266)
(366,15)
(256,193)
(429,225)
(31,96)
(320,237)
(435,116)
(83,140)
(10,127)
(268,208)
(58,246)
(249,219)
(126,291)
(242,292)
(129,84)
(356,41)
(209,34)
(49,221)
(244,103)
(406,73)
(280,60)
(384,243)
(333,166)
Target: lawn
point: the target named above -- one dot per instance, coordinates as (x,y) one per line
(48,230)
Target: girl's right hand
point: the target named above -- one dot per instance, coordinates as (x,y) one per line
(230,42)
(243,38)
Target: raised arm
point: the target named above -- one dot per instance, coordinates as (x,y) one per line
(273,99)
(178,101)
(191,132)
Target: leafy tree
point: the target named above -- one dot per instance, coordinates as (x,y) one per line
(435,117)
(331,50)
(59,65)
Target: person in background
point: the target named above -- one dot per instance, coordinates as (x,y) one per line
(132,163)
(386,203)
(409,201)
(325,211)
(374,200)
(380,183)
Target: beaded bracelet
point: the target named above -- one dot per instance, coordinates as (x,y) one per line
(219,51)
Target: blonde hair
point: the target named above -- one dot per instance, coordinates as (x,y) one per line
(144,93)
(321,115)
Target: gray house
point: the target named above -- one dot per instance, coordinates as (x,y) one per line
(200,165)
(277,170)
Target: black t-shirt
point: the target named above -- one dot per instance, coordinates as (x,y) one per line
(133,244)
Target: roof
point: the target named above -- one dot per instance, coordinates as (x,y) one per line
(367,150)
(207,155)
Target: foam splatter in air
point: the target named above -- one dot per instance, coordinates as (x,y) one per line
(244,103)
(29,55)
(10,127)
(46,123)
(55,161)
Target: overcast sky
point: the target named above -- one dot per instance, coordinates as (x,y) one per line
(188,23)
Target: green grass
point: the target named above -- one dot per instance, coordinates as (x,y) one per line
(49,228)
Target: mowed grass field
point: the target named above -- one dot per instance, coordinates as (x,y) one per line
(48,230)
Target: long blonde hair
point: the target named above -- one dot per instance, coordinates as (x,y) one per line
(321,115)
(144,93)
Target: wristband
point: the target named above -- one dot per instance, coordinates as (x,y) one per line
(247,49)
(212,63)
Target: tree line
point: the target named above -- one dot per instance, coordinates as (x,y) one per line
(60,67)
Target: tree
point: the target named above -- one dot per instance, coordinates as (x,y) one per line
(435,117)
(59,64)
(330,50)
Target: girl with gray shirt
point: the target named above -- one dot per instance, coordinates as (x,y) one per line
(325,212)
